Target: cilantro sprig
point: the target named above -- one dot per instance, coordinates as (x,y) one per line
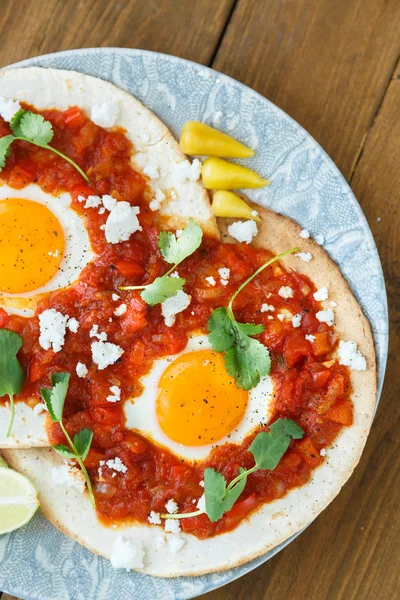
(267,448)
(78,449)
(246,359)
(11,374)
(174,250)
(31,127)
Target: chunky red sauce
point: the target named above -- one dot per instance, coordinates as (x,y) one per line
(309,387)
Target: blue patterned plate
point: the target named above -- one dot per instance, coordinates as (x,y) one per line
(38,562)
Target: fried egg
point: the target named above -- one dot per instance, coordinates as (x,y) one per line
(44,246)
(190,404)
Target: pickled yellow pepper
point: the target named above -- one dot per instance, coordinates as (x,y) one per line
(228,204)
(220,174)
(199,138)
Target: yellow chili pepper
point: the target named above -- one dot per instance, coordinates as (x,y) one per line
(228,204)
(199,138)
(220,174)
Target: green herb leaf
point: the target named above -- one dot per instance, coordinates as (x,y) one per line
(233,494)
(249,328)
(64,451)
(34,128)
(247,360)
(174,250)
(82,442)
(55,397)
(5,148)
(11,374)
(214,491)
(162,288)
(269,447)
(222,330)
(15,122)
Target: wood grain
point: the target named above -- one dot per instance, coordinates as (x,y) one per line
(184,28)
(326,63)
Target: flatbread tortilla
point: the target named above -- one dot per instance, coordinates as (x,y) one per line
(273,523)
(154,147)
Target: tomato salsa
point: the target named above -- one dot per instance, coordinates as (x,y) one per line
(309,386)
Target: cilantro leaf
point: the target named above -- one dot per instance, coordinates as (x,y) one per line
(247,360)
(269,447)
(11,374)
(64,451)
(233,494)
(34,128)
(82,442)
(250,328)
(55,396)
(214,491)
(5,148)
(15,122)
(162,288)
(222,330)
(175,249)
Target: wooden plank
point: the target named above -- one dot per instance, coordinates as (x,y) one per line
(351,552)
(187,29)
(325,63)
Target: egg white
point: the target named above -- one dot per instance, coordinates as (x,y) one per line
(141,413)
(77,255)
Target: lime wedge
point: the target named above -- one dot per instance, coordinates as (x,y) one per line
(18,500)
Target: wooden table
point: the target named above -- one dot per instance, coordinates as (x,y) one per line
(334,66)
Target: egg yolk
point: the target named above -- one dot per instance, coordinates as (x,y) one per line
(31,245)
(198,402)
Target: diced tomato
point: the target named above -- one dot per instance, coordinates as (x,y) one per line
(134,318)
(334,392)
(74,118)
(319,379)
(296,348)
(310,453)
(107,416)
(136,444)
(341,412)
(39,366)
(19,177)
(192,523)
(129,268)
(321,344)
(94,457)
(4,318)
(241,509)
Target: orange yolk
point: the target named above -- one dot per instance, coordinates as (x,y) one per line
(198,402)
(31,245)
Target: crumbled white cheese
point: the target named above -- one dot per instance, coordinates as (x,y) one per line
(127,554)
(172,525)
(201,483)
(120,310)
(115,297)
(171,507)
(81,370)
(304,233)
(39,408)
(210,280)
(154,518)
(224,274)
(94,332)
(8,108)
(90,201)
(201,504)
(68,476)
(350,356)
(319,238)
(108,202)
(296,320)
(285,291)
(155,204)
(267,308)
(160,541)
(321,294)
(105,114)
(175,274)
(322,452)
(151,171)
(105,354)
(270,317)
(305,256)
(115,395)
(310,338)
(52,329)
(116,464)
(254,213)
(326,316)
(122,222)
(175,543)
(102,210)
(188,171)
(73,324)
(172,306)
(243,231)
